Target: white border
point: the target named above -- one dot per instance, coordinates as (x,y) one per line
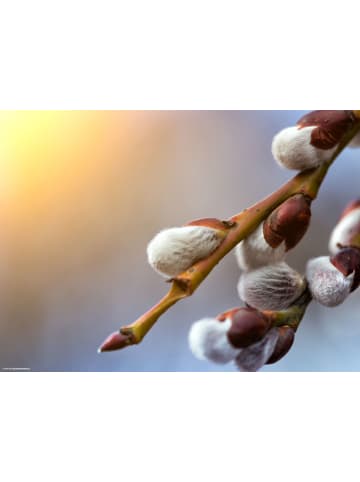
(178,427)
(193,54)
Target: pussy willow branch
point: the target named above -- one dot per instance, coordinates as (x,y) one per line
(239,227)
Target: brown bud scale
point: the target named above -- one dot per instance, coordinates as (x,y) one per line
(248,326)
(330,126)
(283,345)
(347,261)
(209,223)
(289,222)
(228,314)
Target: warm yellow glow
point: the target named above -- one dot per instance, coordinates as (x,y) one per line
(54,164)
(40,149)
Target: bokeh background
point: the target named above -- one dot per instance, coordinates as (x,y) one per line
(81,194)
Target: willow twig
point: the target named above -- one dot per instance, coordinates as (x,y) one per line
(238,228)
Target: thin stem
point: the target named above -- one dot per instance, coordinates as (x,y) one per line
(240,227)
(294,314)
(142,325)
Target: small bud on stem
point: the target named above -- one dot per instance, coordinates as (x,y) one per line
(115,341)
(247,327)
(289,222)
(279,233)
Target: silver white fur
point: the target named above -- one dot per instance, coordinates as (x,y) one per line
(272,287)
(342,232)
(208,341)
(252,358)
(174,250)
(254,252)
(291,149)
(327,284)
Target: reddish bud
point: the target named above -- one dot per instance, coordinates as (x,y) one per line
(347,261)
(248,326)
(331,126)
(283,344)
(288,223)
(116,341)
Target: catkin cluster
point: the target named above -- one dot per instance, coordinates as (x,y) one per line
(274,295)
(268,286)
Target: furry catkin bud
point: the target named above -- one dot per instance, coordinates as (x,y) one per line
(283,344)
(292,149)
(254,251)
(347,261)
(331,126)
(281,231)
(247,327)
(272,287)
(175,250)
(251,359)
(347,228)
(288,223)
(313,141)
(328,286)
(208,340)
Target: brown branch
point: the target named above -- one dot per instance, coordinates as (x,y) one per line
(240,227)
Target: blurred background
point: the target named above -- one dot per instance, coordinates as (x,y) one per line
(82,193)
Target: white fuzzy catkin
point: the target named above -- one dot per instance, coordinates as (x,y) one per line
(327,284)
(272,287)
(292,149)
(348,225)
(174,250)
(208,341)
(254,251)
(252,358)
